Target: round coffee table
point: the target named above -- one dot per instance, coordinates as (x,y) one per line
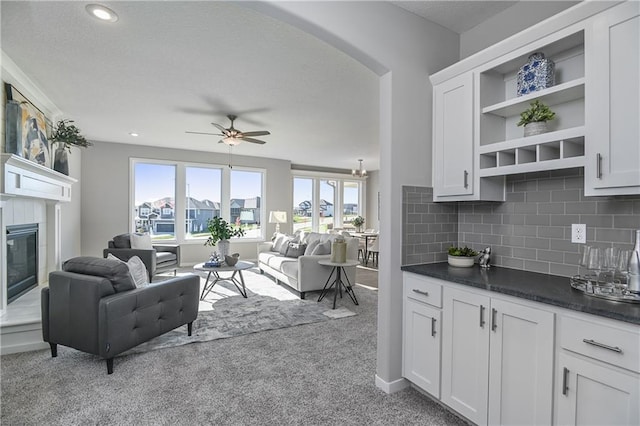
(338,268)
(215,271)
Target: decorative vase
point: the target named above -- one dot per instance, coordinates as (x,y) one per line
(61,161)
(232,260)
(223,248)
(535,128)
(537,74)
(339,251)
(461,261)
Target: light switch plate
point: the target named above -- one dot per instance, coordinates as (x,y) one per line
(579,233)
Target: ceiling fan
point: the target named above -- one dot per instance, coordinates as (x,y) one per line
(232,136)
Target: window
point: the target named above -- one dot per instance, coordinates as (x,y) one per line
(302,204)
(154,195)
(204,192)
(246,196)
(322,204)
(203,199)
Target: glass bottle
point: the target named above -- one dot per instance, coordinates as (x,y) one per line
(634,266)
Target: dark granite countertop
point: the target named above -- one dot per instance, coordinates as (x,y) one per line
(543,288)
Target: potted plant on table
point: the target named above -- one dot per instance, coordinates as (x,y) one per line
(65,135)
(463,257)
(220,232)
(534,119)
(358,221)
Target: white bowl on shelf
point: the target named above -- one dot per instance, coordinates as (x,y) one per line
(461,261)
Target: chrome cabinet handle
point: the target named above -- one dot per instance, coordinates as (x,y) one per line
(565,381)
(599,166)
(424,293)
(494,325)
(466,179)
(433,327)
(602,345)
(481,316)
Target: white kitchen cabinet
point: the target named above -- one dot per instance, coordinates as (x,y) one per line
(591,393)
(421,352)
(612,109)
(453,137)
(422,333)
(497,359)
(465,353)
(520,364)
(597,380)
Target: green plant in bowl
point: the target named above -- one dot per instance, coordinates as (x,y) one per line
(463,257)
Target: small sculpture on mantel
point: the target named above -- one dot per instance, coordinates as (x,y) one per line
(485,258)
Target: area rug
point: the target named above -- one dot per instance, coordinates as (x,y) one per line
(225,313)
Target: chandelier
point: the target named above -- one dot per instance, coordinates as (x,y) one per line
(360,172)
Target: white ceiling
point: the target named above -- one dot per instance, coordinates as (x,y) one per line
(168,67)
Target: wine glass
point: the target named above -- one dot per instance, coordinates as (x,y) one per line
(622,270)
(594,263)
(584,261)
(609,261)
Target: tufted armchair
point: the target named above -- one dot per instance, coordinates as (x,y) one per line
(93,306)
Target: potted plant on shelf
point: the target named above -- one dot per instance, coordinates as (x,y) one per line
(534,119)
(463,257)
(65,135)
(220,232)
(358,221)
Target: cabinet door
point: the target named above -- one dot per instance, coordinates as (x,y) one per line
(421,351)
(465,353)
(453,137)
(590,393)
(612,104)
(521,364)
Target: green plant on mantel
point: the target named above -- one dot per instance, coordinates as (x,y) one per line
(537,112)
(68,135)
(221,230)
(462,251)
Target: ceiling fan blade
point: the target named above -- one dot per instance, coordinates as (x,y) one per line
(222,129)
(256,133)
(258,141)
(204,133)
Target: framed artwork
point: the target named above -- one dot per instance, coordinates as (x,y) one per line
(26,125)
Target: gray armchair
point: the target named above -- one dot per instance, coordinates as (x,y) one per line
(161,258)
(93,306)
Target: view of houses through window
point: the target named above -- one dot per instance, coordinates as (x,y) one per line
(158,203)
(338,203)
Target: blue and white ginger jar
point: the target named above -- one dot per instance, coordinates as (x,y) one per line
(537,74)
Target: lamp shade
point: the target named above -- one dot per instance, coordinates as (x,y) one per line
(277,217)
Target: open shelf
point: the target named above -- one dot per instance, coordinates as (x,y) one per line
(558,94)
(548,151)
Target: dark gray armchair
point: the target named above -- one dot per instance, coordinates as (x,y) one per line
(93,306)
(161,258)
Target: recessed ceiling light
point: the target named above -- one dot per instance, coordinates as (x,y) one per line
(101,12)
(134,134)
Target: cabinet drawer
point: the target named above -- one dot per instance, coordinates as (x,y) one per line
(616,346)
(422,289)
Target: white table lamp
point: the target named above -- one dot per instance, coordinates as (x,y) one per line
(277,217)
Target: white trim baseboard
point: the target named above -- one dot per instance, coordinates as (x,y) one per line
(391,387)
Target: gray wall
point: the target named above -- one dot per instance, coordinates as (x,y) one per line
(105,193)
(532,229)
(510,21)
(372,219)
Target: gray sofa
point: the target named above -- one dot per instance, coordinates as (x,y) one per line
(92,305)
(162,258)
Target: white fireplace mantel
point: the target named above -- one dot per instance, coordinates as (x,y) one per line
(24,178)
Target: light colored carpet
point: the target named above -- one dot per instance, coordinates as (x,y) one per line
(225,313)
(313,374)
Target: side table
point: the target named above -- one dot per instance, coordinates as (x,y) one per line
(338,284)
(215,270)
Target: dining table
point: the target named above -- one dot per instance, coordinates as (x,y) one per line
(366,236)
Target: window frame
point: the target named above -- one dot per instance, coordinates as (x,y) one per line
(180,234)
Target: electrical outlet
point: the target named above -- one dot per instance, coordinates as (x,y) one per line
(579,233)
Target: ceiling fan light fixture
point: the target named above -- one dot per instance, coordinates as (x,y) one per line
(101,12)
(360,172)
(231,141)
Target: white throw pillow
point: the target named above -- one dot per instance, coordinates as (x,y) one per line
(141,241)
(322,248)
(310,247)
(137,270)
